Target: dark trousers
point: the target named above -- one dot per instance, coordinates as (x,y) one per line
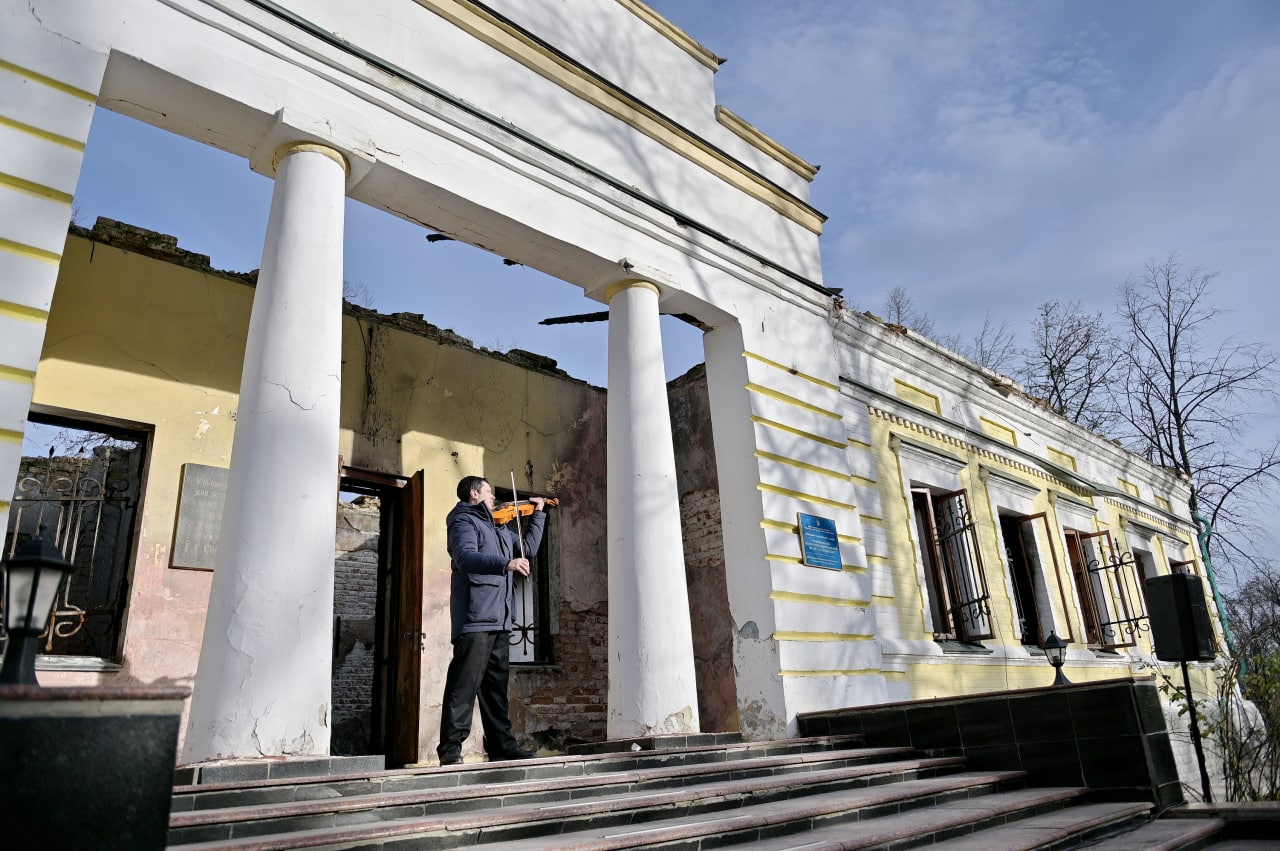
(480,668)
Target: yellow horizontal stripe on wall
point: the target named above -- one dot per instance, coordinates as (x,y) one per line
(879,561)
(869,520)
(782,558)
(862,480)
(793,597)
(28,251)
(17,376)
(22,311)
(861,444)
(881,600)
(791,400)
(802,465)
(36,77)
(35,189)
(65,141)
(8,435)
(863,672)
(797,432)
(790,370)
(817,500)
(820,636)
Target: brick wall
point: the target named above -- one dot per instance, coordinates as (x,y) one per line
(355,599)
(553,706)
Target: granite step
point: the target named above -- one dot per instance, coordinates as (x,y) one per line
(855,767)
(1166,835)
(872,818)
(786,803)
(794,754)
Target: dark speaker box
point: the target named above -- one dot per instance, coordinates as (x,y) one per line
(1180,624)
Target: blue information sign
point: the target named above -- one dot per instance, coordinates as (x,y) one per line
(819,545)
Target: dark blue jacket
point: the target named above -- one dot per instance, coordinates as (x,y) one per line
(482,591)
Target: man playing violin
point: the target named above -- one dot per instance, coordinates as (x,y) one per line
(485,558)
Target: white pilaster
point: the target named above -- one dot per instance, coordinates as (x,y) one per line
(263,683)
(652,688)
(48,87)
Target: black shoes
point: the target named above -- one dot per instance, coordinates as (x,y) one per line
(451,759)
(514,753)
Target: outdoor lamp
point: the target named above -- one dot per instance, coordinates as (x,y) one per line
(1055,650)
(34,574)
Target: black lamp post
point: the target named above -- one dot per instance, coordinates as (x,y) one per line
(1055,650)
(34,574)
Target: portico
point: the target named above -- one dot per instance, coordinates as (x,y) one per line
(647,207)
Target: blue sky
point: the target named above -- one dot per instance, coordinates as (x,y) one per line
(985,156)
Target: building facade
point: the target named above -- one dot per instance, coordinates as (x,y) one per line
(581,139)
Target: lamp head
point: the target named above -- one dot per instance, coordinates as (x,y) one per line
(1055,650)
(35,573)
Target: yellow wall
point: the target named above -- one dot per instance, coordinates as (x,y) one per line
(926,676)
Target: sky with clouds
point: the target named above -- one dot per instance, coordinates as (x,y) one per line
(985,156)
(990,156)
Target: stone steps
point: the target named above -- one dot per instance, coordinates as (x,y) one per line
(615,796)
(814,793)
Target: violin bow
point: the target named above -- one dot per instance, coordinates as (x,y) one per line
(515,499)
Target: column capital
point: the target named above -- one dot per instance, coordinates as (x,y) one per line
(617,287)
(308,148)
(295,132)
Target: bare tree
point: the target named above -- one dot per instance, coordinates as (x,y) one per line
(995,346)
(900,309)
(1186,401)
(1071,363)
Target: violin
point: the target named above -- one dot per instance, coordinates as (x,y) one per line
(508,511)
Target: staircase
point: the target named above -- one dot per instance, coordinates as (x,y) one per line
(687,793)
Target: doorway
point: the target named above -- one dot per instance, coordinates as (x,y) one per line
(377,616)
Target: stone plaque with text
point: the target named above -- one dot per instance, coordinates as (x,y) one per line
(195,540)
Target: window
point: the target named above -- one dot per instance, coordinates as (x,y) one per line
(1031,593)
(83,488)
(531,636)
(1104,581)
(958,595)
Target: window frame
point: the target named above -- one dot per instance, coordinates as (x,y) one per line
(536,637)
(954,560)
(117,588)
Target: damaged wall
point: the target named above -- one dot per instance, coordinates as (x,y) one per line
(704,563)
(145,334)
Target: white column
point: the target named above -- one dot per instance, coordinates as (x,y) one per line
(263,684)
(652,688)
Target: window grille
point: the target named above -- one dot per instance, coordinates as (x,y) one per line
(531,635)
(1105,578)
(950,550)
(85,493)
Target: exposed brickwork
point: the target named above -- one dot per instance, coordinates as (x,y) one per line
(699,488)
(566,703)
(355,599)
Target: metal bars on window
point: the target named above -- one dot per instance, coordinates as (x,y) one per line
(955,562)
(1106,578)
(86,501)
